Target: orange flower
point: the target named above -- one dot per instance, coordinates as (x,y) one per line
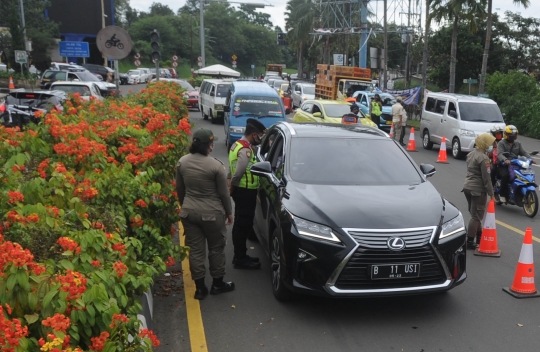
(120,268)
(170,261)
(58,323)
(99,342)
(15,197)
(141,203)
(146,333)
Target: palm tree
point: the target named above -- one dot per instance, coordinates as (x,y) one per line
(456,10)
(425,53)
(482,86)
(299,18)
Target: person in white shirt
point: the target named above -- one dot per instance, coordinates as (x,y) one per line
(397,118)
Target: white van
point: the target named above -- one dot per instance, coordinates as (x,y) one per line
(212,96)
(459,118)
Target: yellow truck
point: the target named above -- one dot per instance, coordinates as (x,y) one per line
(274,69)
(340,82)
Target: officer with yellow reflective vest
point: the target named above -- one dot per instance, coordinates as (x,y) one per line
(243,189)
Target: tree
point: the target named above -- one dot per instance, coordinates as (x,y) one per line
(255,17)
(425,49)
(299,20)
(158,9)
(525,4)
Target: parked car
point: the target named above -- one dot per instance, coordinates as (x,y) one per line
(20,106)
(50,76)
(250,99)
(277,84)
(66,66)
(124,79)
(191,94)
(322,239)
(270,81)
(327,111)
(363,99)
(136,75)
(146,75)
(85,89)
(212,97)
(459,118)
(302,92)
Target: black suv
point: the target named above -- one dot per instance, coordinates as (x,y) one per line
(20,105)
(339,221)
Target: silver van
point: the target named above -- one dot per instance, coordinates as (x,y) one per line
(212,96)
(459,118)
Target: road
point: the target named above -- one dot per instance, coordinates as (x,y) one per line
(476,316)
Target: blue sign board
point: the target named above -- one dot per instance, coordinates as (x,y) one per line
(74,49)
(252,66)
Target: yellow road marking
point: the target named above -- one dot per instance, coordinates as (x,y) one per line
(516,230)
(197,337)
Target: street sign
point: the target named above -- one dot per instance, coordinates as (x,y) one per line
(137,63)
(114,42)
(252,67)
(74,49)
(21,57)
(234,57)
(470,81)
(485,95)
(199,63)
(199,59)
(233,66)
(175,58)
(234,62)
(137,56)
(174,64)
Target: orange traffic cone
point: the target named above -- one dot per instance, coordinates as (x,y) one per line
(442,152)
(11,85)
(523,285)
(488,243)
(411,146)
(392,131)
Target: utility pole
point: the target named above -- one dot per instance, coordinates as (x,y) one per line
(362,55)
(201,30)
(191,38)
(425,53)
(102,26)
(385,64)
(408,59)
(23,25)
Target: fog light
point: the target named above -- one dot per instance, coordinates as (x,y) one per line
(304,256)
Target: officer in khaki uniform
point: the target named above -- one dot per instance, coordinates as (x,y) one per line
(478,186)
(201,184)
(243,189)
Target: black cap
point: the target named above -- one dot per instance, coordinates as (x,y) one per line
(257,124)
(204,135)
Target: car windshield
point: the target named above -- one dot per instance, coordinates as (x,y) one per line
(336,110)
(387,99)
(184,84)
(134,73)
(309,90)
(311,164)
(354,86)
(222,90)
(86,76)
(83,90)
(257,105)
(480,112)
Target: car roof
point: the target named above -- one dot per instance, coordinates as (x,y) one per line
(224,80)
(461,97)
(72,83)
(253,88)
(331,130)
(327,102)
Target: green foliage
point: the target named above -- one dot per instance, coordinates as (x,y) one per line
(518,97)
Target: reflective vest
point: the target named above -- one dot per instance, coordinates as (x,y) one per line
(375,108)
(248,180)
(349,119)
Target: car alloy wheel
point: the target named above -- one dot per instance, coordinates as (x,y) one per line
(426,143)
(280,291)
(456,149)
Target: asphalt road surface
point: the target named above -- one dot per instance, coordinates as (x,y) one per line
(476,316)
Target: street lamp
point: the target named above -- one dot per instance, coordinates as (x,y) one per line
(201,12)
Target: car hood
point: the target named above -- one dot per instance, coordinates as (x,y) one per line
(367,207)
(363,121)
(105,85)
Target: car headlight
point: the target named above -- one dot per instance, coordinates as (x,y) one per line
(304,97)
(311,229)
(186,96)
(452,226)
(467,133)
(233,129)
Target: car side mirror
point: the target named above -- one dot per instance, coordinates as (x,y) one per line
(452,113)
(317,114)
(212,94)
(534,153)
(227,108)
(262,168)
(427,169)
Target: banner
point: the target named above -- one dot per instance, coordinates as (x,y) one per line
(410,96)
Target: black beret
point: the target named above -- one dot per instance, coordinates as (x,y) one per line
(257,124)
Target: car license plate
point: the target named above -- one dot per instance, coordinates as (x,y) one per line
(388,122)
(395,271)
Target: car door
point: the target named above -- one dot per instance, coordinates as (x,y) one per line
(364,104)
(304,113)
(317,109)
(439,114)
(296,95)
(451,123)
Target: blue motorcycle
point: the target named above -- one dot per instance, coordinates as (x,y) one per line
(522,185)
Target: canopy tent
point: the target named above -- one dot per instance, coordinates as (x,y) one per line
(218,70)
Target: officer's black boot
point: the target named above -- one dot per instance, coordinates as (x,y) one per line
(253,259)
(246,262)
(201,291)
(478,238)
(220,286)
(470,243)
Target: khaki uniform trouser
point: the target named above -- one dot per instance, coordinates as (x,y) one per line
(477,209)
(199,230)
(397,130)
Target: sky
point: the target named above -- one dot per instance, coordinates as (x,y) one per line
(278,18)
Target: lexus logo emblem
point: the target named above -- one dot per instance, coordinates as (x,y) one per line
(395,243)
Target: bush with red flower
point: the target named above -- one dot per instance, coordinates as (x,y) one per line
(87,204)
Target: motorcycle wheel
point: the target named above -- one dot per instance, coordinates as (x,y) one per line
(530,204)
(108,44)
(120,46)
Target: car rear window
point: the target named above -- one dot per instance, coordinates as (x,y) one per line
(480,112)
(350,161)
(31,99)
(71,89)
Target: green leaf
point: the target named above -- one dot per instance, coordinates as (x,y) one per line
(32,300)
(66,264)
(48,297)
(49,221)
(22,280)
(11,281)
(31,318)
(90,309)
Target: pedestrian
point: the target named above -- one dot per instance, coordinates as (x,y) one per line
(243,189)
(478,186)
(376,109)
(351,117)
(497,132)
(201,184)
(403,123)
(397,119)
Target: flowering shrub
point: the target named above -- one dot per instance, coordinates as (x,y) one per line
(87,206)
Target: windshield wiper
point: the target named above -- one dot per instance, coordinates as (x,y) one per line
(260,116)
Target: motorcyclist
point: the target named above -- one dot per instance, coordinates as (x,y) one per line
(508,144)
(497,132)
(352,117)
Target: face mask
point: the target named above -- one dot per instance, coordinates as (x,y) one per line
(256,140)
(511,139)
(490,149)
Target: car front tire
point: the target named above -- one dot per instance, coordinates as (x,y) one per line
(426,141)
(456,149)
(281,293)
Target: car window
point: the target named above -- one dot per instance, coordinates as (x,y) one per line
(95,89)
(308,90)
(72,77)
(307,107)
(316,108)
(311,164)
(222,90)
(430,104)
(439,107)
(297,88)
(257,105)
(480,112)
(71,89)
(213,90)
(451,107)
(267,143)
(336,110)
(184,84)
(387,99)
(276,155)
